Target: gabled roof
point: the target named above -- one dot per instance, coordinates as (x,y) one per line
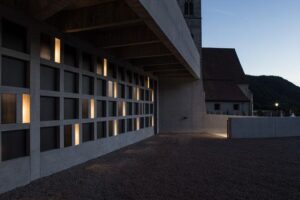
(222,75)
(222,64)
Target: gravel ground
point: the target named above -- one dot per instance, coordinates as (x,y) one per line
(180,166)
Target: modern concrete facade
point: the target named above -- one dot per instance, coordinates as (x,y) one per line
(83,78)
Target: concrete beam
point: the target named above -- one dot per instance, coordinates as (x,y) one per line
(145,62)
(133,36)
(103,16)
(87,3)
(162,68)
(144,51)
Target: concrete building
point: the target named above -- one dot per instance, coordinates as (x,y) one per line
(82,78)
(225,84)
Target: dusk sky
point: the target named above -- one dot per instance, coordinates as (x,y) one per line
(265,34)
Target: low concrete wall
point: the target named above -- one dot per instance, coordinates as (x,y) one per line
(264,127)
(215,123)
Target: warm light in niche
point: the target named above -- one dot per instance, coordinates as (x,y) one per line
(115,127)
(110,88)
(124,108)
(152,96)
(105,63)
(57,50)
(25,108)
(137,94)
(77,134)
(137,124)
(115,89)
(92,109)
(99,68)
(148,82)
(152,121)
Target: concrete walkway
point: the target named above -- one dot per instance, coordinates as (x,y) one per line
(180,166)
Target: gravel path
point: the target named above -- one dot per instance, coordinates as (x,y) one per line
(180,166)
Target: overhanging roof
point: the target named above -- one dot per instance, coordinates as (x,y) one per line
(143,32)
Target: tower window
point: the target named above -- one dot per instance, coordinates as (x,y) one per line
(188,7)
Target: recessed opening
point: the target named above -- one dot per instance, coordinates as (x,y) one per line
(129,108)
(101,130)
(85,108)
(129,92)
(14,36)
(129,76)
(70,82)
(57,50)
(67,135)
(112,109)
(101,87)
(121,91)
(121,108)
(92,108)
(49,138)
(70,55)
(46,46)
(49,108)
(87,62)
(110,89)
(70,108)
(87,85)
(129,125)
(87,132)
(121,126)
(8,108)
(49,78)
(105,66)
(14,144)
(101,108)
(77,134)
(15,72)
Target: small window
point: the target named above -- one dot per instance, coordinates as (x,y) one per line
(121,126)
(112,128)
(129,92)
(15,72)
(217,106)
(121,109)
(46,46)
(70,108)
(110,89)
(101,130)
(70,82)
(87,85)
(101,87)
(49,108)
(15,144)
(49,138)
(70,56)
(236,107)
(85,108)
(121,91)
(112,109)
(87,62)
(68,135)
(87,132)
(49,78)
(129,108)
(8,108)
(14,36)
(101,108)
(129,125)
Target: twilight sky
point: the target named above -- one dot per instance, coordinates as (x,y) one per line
(265,33)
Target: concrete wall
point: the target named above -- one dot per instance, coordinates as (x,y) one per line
(215,123)
(226,108)
(167,15)
(264,127)
(181,105)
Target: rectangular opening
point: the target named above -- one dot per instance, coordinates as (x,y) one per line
(129,125)
(110,89)
(49,108)
(142,94)
(70,82)
(101,130)
(129,108)
(129,76)
(111,128)
(121,74)
(129,92)
(112,72)
(121,126)
(49,78)
(70,108)
(101,108)
(46,46)
(8,108)
(67,135)
(147,122)
(142,80)
(148,82)
(137,123)
(85,108)
(121,108)
(112,109)
(105,65)
(101,87)
(147,95)
(49,138)
(92,108)
(136,78)
(121,91)
(87,62)
(87,85)
(87,132)
(15,144)
(115,89)
(136,109)
(25,108)
(14,36)
(57,50)
(142,122)
(70,55)
(15,72)
(77,134)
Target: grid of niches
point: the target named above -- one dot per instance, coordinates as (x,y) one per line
(83,96)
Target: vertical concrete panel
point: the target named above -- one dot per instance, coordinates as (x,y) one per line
(181,105)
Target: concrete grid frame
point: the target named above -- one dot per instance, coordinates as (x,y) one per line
(39,164)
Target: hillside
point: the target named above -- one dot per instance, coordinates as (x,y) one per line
(270,89)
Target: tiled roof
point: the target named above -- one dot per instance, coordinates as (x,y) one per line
(222,73)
